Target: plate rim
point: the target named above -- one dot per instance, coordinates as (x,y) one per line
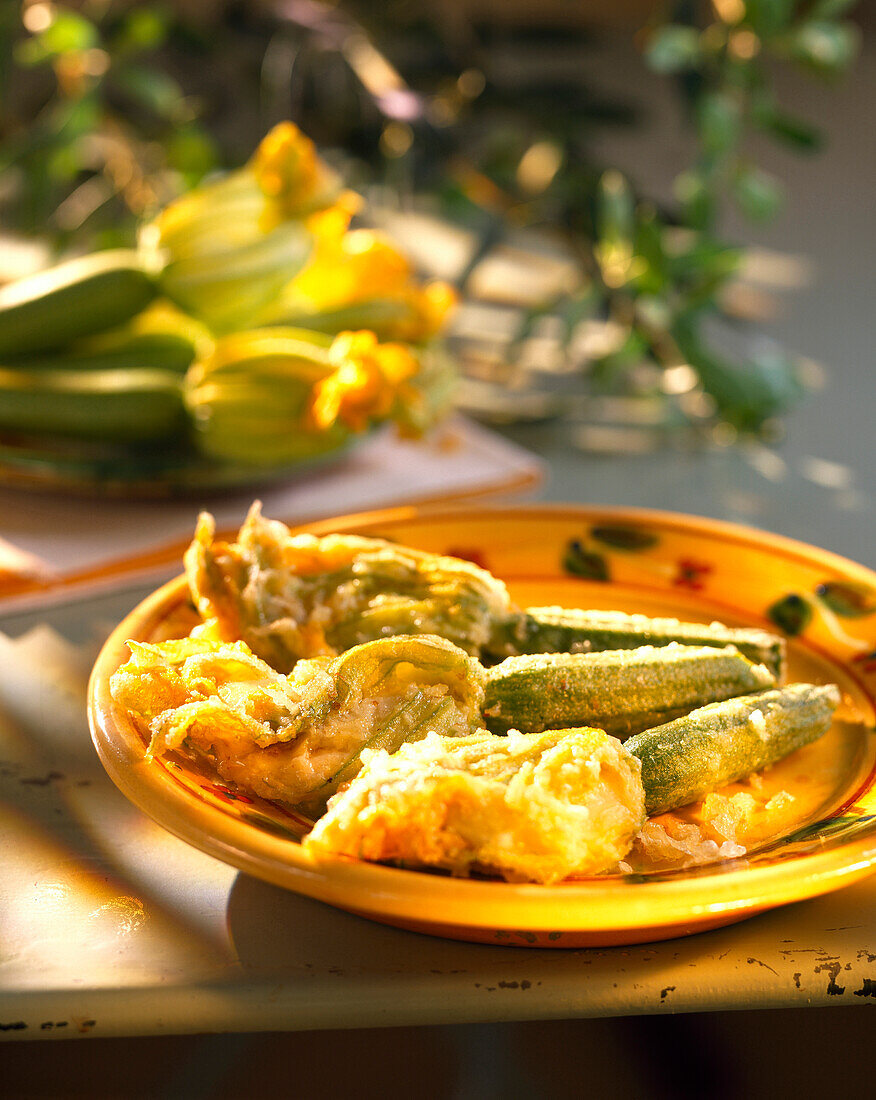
(590,905)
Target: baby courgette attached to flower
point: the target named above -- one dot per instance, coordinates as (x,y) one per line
(722,742)
(569,630)
(249,398)
(80,297)
(620,691)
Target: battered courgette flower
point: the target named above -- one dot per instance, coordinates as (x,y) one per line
(230,246)
(359,279)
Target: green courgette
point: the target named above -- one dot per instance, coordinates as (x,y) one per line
(148,350)
(126,406)
(722,742)
(77,298)
(620,691)
(568,630)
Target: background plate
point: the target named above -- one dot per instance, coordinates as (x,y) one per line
(655,563)
(107,471)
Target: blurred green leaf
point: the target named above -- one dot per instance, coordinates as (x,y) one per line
(192,152)
(30,52)
(576,308)
(69,31)
(788,128)
(696,198)
(673,48)
(700,272)
(746,394)
(72,119)
(830,9)
(758,193)
(769,17)
(608,372)
(719,121)
(649,248)
(144,28)
(615,217)
(152,89)
(65,163)
(825,47)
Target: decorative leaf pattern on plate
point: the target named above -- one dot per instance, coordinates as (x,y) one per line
(792,614)
(581,562)
(849,601)
(624,538)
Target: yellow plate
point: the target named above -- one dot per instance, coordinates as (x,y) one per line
(652,562)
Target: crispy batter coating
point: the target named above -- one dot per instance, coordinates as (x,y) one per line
(296,738)
(292,596)
(529,807)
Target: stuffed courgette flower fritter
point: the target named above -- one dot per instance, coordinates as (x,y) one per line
(342,675)
(292,596)
(296,738)
(531,807)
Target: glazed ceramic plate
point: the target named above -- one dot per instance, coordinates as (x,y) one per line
(651,562)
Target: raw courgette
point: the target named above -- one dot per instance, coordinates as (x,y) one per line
(620,691)
(685,759)
(152,351)
(127,406)
(77,298)
(568,630)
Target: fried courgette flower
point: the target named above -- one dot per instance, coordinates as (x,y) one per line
(296,738)
(293,596)
(529,807)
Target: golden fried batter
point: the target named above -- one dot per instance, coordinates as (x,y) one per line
(296,738)
(530,807)
(292,596)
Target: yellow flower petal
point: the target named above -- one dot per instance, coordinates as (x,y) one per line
(286,167)
(368,379)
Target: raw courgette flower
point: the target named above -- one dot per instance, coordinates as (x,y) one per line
(359,279)
(248,399)
(277,395)
(292,177)
(230,246)
(369,379)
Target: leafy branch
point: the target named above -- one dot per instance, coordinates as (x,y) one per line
(662,277)
(432,111)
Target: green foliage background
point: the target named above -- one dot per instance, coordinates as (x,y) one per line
(110,109)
